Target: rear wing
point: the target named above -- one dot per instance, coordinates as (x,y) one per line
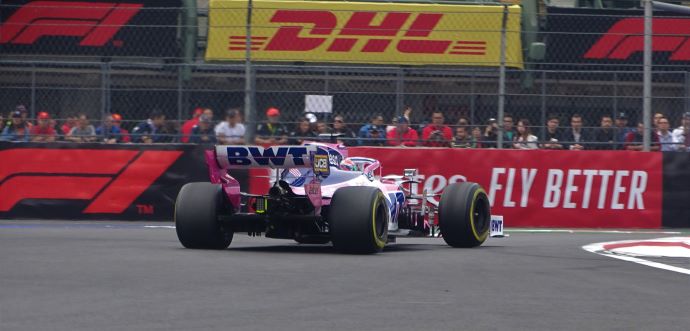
(274,157)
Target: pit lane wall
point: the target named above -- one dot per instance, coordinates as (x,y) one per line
(598,189)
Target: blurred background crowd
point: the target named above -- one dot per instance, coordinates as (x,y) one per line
(206,126)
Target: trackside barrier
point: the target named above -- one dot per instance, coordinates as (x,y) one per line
(95,181)
(598,189)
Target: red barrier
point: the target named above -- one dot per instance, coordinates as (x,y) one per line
(543,188)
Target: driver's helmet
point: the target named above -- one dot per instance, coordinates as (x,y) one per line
(349,165)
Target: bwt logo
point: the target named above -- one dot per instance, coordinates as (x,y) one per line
(626,37)
(320,26)
(95,22)
(270,156)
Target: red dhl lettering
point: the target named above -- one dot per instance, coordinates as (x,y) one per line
(311,29)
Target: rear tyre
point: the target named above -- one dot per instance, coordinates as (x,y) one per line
(196,217)
(464,215)
(358,220)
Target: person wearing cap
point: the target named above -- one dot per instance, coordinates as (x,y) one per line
(124,134)
(681,135)
(230,131)
(402,134)
(16,130)
(437,134)
(189,125)
(83,132)
(365,137)
(202,132)
(44,131)
(108,132)
(272,132)
(622,129)
(25,115)
(151,130)
(345,136)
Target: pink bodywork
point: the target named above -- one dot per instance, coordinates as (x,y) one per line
(230,185)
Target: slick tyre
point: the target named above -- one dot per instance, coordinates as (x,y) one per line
(358,220)
(464,215)
(196,217)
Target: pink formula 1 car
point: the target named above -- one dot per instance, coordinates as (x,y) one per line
(320,195)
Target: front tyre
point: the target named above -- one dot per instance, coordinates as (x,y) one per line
(196,217)
(464,215)
(358,220)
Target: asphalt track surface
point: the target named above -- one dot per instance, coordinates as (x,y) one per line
(123,276)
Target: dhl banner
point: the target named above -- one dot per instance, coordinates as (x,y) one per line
(363,33)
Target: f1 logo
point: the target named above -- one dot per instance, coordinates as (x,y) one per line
(96,22)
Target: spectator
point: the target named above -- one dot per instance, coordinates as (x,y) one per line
(44,131)
(16,130)
(508,131)
(83,131)
(346,136)
(477,138)
(124,134)
(464,122)
(437,134)
(68,125)
(302,132)
(365,131)
(665,136)
(230,131)
(202,132)
(376,136)
(108,132)
(461,139)
(2,123)
(490,133)
(272,132)
(575,137)
(189,125)
(634,139)
(402,134)
(321,128)
(656,117)
(552,134)
(524,138)
(169,133)
(605,134)
(25,115)
(151,130)
(681,135)
(621,129)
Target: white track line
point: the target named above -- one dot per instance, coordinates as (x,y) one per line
(598,248)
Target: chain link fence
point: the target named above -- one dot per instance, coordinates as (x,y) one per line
(136,90)
(375,68)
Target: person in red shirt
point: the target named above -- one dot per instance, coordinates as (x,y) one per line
(633,140)
(44,131)
(189,125)
(437,134)
(124,134)
(402,134)
(68,125)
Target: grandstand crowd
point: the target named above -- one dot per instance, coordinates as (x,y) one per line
(204,127)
